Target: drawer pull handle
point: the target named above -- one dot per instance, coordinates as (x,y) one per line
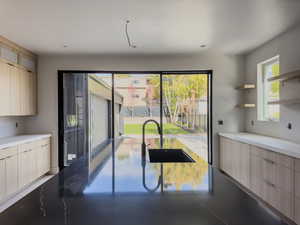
(10,64)
(7,157)
(269,161)
(270,184)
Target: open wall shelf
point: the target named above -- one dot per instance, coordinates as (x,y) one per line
(246,105)
(246,87)
(293,75)
(285,102)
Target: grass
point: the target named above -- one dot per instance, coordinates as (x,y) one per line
(151,129)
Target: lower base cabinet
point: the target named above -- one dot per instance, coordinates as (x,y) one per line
(297,210)
(21,165)
(9,181)
(269,175)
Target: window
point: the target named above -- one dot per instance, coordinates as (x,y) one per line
(268,91)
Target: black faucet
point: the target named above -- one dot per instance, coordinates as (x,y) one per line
(144,142)
(144,156)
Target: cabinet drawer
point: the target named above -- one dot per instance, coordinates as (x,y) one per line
(278,175)
(278,198)
(28,146)
(7,152)
(44,142)
(274,157)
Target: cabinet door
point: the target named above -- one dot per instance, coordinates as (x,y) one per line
(256,174)
(12,184)
(24,168)
(33,171)
(226,160)
(2,179)
(4,89)
(236,160)
(297,210)
(245,164)
(33,96)
(46,158)
(223,154)
(25,92)
(15,101)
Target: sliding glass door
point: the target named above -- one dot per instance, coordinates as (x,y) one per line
(107,113)
(185,126)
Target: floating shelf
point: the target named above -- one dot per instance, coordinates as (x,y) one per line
(246,87)
(287,76)
(285,102)
(246,105)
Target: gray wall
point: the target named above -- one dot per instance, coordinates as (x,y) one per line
(8,126)
(228,72)
(287,46)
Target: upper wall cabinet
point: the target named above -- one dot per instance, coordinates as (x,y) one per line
(17,80)
(8,54)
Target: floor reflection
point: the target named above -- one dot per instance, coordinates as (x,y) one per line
(128,176)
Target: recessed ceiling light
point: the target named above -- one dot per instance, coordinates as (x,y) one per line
(202,46)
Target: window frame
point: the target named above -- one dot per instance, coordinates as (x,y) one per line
(262,91)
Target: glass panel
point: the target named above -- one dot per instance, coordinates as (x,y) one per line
(75,117)
(137,99)
(271,91)
(185,126)
(100,133)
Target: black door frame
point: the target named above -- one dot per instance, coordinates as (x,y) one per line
(209,73)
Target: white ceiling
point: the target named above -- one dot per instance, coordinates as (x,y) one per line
(157,26)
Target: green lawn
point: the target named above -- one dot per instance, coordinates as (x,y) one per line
(151,129)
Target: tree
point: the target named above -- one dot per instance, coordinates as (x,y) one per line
(180,93)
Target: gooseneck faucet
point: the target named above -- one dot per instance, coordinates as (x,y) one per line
(144,154)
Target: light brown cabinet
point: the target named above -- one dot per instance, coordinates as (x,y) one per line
(8,172)
(235,159)
(269,175)
(43,157)
(4,89)
(17,90)
(297,191)
(22,164)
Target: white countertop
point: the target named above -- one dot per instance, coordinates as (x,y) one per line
(270,143)
(6,142)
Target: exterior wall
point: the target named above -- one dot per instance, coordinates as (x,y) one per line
(287,46)
(228,72)
(98,108)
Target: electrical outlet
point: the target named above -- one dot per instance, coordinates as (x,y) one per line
(252,122)
(289,126)
(220,122)
(17,125)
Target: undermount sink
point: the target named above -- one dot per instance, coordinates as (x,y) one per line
(169,156)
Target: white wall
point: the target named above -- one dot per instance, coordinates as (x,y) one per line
(228,72)
(287,46)
(8,126)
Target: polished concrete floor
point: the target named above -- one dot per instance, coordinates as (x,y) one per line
(112,192)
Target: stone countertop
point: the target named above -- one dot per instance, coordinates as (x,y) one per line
(6,142)
(270,143)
